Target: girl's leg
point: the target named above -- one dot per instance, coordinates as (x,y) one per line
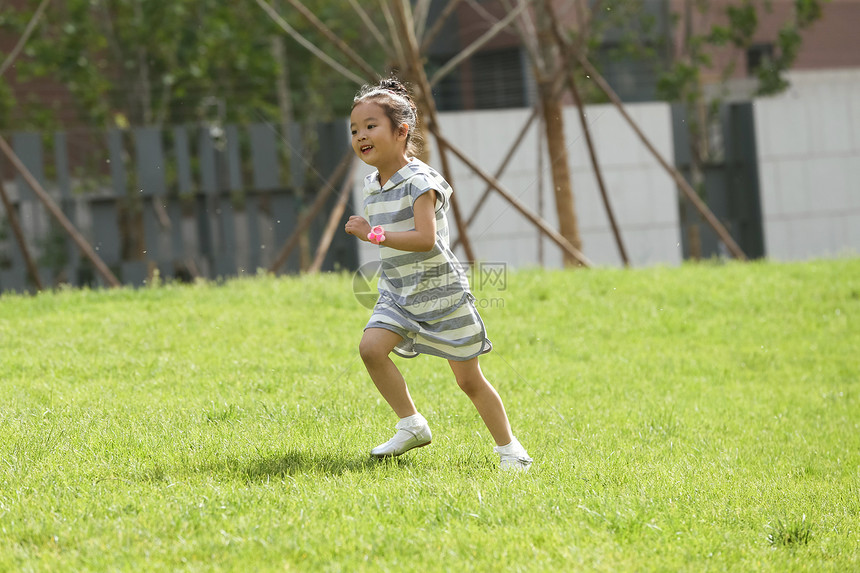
(375,347)
(485,398)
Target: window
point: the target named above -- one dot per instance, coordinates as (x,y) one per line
(758,55)
(497,79)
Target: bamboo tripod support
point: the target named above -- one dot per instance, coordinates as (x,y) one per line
(333,219)
(407,50)
(542,225)
(685,187)
(58,214)
(413,63)
(19,237)
(311,214)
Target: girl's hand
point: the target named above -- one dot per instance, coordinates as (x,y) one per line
(358,226)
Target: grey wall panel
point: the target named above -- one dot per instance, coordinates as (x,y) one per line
(182,154)
(265,167)
(232,157)
(116,158)
(28,148)
(149,154)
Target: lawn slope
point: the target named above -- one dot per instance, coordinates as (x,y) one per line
(698,418)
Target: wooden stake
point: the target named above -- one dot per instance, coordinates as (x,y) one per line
(426,95)
(542,225)
(688,191)
(57,213)
(422,10)
(333,220)
(19,236)
(462,233)
(311,214)
(517,142)
(595,165)
(544,56)
(567,49)
(399,51)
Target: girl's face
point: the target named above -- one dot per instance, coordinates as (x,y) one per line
(374,139)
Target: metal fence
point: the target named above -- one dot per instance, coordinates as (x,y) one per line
(186,201)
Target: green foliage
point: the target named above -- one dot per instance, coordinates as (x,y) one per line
(681,84)
(704,417)
(685,54)
(151,63)
(807,12)
(770,74)
(681,81)
(622,31)
(743,23)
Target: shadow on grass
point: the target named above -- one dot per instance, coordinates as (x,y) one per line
(295,462)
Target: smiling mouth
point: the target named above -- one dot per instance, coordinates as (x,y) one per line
(366,148)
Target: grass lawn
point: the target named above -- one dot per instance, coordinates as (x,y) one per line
(700,418)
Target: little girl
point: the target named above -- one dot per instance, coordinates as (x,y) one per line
(425,305)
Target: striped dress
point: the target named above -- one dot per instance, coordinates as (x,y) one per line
(423,296)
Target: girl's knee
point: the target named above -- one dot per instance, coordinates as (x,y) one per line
(371,351)
(472,385)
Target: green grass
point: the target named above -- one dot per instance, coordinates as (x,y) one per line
(700,418)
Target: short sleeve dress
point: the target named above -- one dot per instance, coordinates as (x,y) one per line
(423,296)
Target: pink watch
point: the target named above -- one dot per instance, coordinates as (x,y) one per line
(376,235)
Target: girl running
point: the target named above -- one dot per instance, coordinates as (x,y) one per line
(425,305)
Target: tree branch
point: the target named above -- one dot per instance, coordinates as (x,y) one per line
(440,23)
(371,26)
(308,44)
(482,11)
(477,44)
(528,36)
(422,10)
(31,25)
(399,50)
(333,38)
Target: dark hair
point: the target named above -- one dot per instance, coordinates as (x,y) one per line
(394,98)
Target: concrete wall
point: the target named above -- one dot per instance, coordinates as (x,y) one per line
(643,196)
(809,166)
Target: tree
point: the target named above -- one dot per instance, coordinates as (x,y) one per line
(154,63)
(735,30)
(537,34)
(547,67)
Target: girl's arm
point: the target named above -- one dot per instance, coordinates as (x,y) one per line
(421,239)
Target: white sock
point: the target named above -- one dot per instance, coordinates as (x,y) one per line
(412,421)
(513,448)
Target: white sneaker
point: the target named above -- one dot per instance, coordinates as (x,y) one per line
(411,433)
(513,457)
